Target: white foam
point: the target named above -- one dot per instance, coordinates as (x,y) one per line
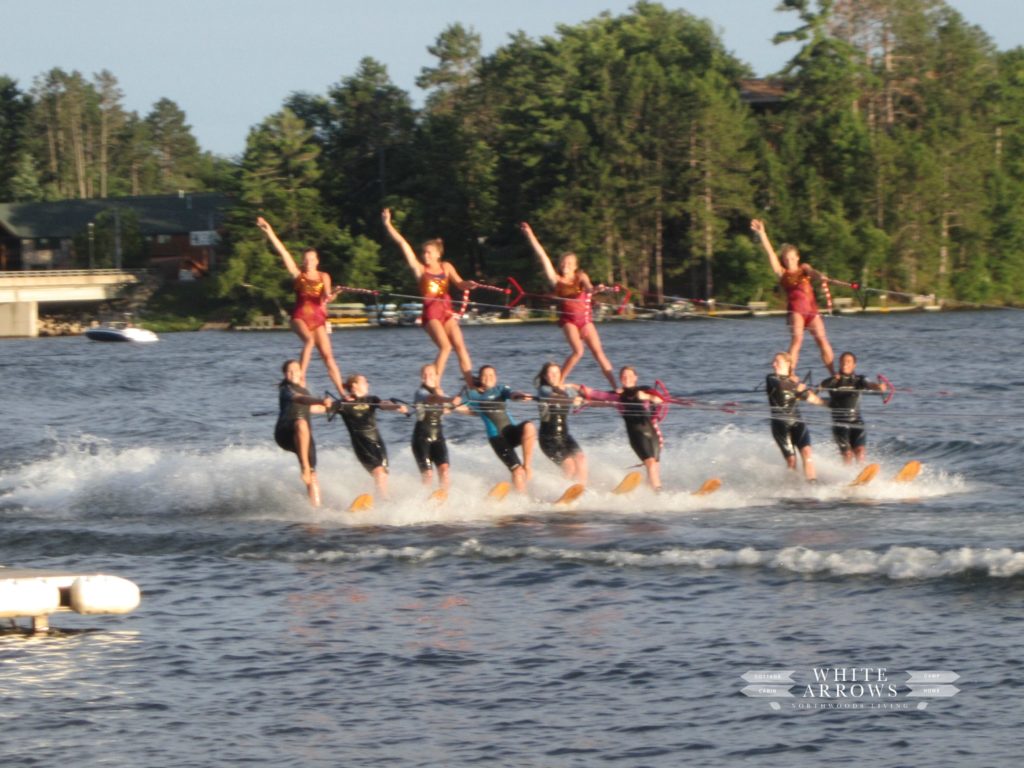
(87,473)
(897,563)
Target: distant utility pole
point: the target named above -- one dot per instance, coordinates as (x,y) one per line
(117,238)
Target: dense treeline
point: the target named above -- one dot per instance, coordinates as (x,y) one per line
(69,137)
(895,157)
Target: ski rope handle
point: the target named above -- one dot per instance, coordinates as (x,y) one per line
(506,291)
(661,410)
(828,294)
(892,390)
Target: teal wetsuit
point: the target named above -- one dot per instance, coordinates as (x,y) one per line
(503,433)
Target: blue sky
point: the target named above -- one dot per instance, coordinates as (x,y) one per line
(230,63)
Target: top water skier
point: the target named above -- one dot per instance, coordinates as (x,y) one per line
(309,317)
(439,320)
(573,288)
(802,304)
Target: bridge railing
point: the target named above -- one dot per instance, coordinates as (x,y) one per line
(38,273)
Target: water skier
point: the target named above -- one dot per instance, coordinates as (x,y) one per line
(489,401)
(573,288)
(309,316)
(360,416)
(554,400)
(785,391)
(637,406)
(439,319)
(801,303)
(429,447)
(293,431)
(844,391)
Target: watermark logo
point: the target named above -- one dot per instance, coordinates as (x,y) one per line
(842,687)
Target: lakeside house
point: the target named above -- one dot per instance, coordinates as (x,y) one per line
(175,234)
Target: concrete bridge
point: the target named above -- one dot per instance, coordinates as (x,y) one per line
(21,293)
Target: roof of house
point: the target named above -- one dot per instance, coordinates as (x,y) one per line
(157,214)
(758,91)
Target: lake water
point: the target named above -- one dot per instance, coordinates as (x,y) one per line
(517,634)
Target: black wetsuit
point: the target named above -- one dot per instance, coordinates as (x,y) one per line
(428,444)
(291,411)
(553,435)
(360,416)
(844,402)
(640,427)
(788,428)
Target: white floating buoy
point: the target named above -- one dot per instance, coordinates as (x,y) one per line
(27,597)
(104,594)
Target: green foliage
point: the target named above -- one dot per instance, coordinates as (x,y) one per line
(279,174)
(894,158)
(113,230)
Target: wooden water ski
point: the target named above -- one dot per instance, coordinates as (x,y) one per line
(629,483)
(572,493)
(361,503)
(499,491)
(711,485)
(866,475)
(440,496)
(908,472)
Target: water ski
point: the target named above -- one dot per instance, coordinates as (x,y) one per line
(572,493)
(499,491)
(908,472)
(361,503)
(440,496)
(629,483)
(866,475)
(711,485)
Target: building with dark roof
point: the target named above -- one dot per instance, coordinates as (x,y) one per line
(179,230)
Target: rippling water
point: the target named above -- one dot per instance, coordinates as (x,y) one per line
(516,634)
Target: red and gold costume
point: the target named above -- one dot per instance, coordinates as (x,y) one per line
(574,306)
(800,294)
(437,304)
(309,301)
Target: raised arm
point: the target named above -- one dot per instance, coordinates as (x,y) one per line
(545,260)
(286,257)
(407,251)
(758,227)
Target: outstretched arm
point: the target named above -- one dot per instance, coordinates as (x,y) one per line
(407,251)
(286,257)
(599,396)
(455,279)
(804,392)
(758,227)
(545,260)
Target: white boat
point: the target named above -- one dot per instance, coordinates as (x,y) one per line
(120,331)
(410,313)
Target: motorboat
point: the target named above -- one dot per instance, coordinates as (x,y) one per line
(120,331)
